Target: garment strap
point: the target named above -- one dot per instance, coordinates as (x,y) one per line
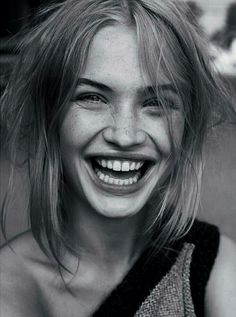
(126,298)
(206,239)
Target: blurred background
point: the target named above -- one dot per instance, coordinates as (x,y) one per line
(218,198)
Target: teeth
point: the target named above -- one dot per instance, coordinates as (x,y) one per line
(138,165)
(109,165)
(104,163)
(116,181)
(118,166)
(132,166)
(102,176)
(111,180)
(125,166)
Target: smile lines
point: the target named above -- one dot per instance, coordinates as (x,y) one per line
(116,165)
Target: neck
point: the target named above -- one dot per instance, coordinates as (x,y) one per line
(105,239)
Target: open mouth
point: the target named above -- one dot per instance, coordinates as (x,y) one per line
(120,172)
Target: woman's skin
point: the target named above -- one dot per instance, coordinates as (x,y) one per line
(112,117)
(118,119)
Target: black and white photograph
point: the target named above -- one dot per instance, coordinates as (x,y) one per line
(118,158)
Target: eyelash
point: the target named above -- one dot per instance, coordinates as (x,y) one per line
(158,104)
(90,98)
(150,103)
(96,98)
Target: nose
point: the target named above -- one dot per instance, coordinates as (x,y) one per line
(124,130)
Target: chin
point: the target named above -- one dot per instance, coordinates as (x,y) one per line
(118,201)
(117,208)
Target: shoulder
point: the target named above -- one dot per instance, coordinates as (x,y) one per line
(21,251)
(213,271)
(205,239)
(15,253)
(221,287)
(20,259)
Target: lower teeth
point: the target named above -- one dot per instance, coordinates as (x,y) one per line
(122,182)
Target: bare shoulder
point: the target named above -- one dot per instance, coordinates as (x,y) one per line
(19,261)
(21,252)
(221,288)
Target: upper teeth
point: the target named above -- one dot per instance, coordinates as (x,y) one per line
(124,166)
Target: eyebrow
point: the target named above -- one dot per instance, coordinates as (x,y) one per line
(93,83)
(148,89)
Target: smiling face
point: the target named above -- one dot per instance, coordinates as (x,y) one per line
(115,139)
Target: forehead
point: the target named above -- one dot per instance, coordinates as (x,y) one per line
(114,57)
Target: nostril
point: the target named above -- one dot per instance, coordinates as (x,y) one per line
(108,134)
(141,136)
(124,137)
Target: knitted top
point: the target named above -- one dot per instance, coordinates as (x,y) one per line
(169,284)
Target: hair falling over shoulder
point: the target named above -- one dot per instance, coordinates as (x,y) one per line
(51,58)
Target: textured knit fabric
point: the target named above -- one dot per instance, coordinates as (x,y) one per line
(172,283)
(172,296)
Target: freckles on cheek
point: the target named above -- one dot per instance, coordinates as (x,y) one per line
(72,128)
(167,132)
(81,125)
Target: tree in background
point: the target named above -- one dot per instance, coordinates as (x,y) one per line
(227,34)
(194,13)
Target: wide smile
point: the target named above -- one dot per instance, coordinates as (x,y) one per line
(120,175)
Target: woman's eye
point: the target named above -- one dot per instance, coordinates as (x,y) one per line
(161,105)
(90,98)
(153,103)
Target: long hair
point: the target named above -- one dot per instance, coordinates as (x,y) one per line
(52,57)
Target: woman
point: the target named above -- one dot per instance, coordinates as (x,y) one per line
(111,101)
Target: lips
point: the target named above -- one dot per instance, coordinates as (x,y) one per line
(119,172)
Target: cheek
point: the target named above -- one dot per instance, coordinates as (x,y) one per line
(177,129)
(79,127)
(166,132)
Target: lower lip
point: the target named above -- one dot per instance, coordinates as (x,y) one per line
(119,190)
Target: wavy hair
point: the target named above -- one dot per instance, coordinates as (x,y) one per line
(52,57)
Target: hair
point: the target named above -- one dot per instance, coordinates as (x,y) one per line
(52,57)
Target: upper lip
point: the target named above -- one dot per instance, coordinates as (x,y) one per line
(122,156)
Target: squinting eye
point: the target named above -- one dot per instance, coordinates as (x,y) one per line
(152,103)
(160,104)
(90,98)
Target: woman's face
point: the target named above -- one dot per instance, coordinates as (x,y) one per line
(114,138)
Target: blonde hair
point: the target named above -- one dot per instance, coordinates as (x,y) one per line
(51,59)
